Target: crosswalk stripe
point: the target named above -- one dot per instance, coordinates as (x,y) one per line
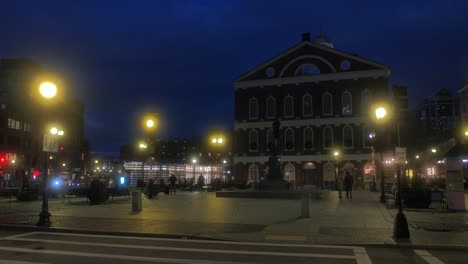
(424,254)
(19,235)
(198,241)
(7,261)
(112,256)
(202,250)
(361,256)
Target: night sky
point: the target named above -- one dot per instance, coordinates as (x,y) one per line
(180,57)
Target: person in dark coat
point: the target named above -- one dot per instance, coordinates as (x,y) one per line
(172,181)
(349,180)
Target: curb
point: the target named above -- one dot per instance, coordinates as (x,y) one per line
(408,245)
(100,232)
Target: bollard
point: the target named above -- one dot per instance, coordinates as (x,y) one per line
(136,201)
(305,205)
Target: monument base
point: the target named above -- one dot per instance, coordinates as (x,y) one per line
(273,184)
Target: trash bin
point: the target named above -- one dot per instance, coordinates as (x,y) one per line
(136,201)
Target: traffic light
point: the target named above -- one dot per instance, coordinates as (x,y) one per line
(61,148)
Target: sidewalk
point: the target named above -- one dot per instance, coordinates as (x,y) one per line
(361,220)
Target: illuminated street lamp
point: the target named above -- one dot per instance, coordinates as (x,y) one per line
(47,90)
(433,150)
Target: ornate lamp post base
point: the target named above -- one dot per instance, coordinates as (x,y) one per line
(44,219)
(400,229)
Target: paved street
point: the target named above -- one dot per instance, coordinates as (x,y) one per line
(362,220)
(43,247)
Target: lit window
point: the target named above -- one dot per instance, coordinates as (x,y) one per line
(327,107)
(347,103)
(253,172)
(307,69)
(308,138)
(253,109)
(327,137)
(288,106)
(289,139)
(289,172)
(307,105)
(348,137)
(253,140)
(271,108)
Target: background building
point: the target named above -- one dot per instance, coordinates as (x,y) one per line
(22,124)
(322,97)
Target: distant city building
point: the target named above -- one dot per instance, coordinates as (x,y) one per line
(464,104)
(23,121)
(402,114)
(439,114)
(322,97)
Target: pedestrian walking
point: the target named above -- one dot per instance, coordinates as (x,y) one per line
(339,184)
(349,180)
(172,181)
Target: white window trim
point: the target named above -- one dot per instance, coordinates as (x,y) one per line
(304,138)
(250,143)
(311,104)
(323,104)
(365,108)
(250,110)
(323,135)
(267,138)
(284,106)
(285,138)
(352,137)
(342,103)
(274,107)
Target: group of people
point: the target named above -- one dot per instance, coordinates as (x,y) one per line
(347,182)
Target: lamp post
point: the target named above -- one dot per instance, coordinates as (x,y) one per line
(336,154)
(50,145)
(217,141)
(380,117)
(150,124)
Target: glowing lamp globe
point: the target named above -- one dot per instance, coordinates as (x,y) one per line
(48,90)
(380,113)
(150,123)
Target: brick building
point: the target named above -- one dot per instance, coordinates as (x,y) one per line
(322,98)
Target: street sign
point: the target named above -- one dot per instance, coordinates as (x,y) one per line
(400,155)
(50,144)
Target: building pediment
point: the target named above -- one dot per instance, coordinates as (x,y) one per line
(311,59)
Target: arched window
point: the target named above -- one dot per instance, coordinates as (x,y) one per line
(253,108)
(289,139)
(253,172)
(307,69)
(347,103)
(327,106)
(308,138)
(270,108)
(270,139)
(289,173)
(288,106)
(348,136)
(307,105)
(366,101)
(327,137)
(253,140)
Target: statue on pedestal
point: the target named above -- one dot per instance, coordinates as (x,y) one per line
(274,179)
